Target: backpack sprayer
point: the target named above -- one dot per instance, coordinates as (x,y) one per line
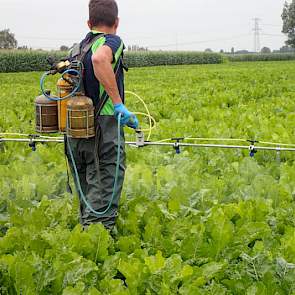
(70,112)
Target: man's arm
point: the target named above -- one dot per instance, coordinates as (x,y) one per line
(102,64)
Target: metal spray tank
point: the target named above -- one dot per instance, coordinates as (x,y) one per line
(71,112)
(80,117)
(46,114)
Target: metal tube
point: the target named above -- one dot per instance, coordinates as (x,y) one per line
(213,146)
(163,144)
(278,149)
(31,140)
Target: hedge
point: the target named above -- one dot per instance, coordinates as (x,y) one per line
(26,61)
(261,57)
(145,59)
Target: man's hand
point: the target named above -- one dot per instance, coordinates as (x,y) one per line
(127,118)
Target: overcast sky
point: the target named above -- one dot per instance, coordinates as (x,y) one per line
(157,24)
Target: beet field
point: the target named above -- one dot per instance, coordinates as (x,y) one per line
(205,221)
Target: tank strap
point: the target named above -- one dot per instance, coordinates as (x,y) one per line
(80,50)
(88,45)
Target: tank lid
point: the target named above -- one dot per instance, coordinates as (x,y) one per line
(80,102)
(43,99)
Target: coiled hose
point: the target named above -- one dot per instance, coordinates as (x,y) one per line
(56,98)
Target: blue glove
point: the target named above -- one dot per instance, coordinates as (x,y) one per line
(133,122)
(127,118)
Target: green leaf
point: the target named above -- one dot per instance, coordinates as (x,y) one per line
(128,244)
(92,243)
(220,230)
(135,272)
(155,263)
(257,289)
(213,269)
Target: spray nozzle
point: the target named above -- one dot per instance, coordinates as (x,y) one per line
(139,138)
(252,147)
(58,66)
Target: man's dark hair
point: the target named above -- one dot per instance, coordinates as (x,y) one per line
(103,12)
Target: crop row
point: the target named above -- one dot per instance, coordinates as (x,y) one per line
(20,61)
(27,61)
(261,57)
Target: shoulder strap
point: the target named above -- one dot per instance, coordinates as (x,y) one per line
(88,46)
(80,50)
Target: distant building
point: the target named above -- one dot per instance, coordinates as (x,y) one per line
(242,52)
(137,48)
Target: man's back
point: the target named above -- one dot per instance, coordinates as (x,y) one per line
(91,84)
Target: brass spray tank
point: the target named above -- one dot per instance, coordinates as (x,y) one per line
(70,112)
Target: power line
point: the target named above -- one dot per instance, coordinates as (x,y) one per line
(200,42)
(273,35)
(272,25)
(45,38)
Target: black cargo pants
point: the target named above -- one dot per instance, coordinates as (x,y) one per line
(96,159)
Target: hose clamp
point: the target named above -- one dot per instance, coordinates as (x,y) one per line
(252,147)
(140,138)
(32,143)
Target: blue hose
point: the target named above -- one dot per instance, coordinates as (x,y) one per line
(56,98)
(79,188)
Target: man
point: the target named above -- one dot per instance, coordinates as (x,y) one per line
(96,158)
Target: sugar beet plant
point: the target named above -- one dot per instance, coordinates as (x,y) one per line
(202,222)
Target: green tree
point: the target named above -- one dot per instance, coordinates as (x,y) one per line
(64,48)
(288,17)
(287,49)
(265,50)
(7,40)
